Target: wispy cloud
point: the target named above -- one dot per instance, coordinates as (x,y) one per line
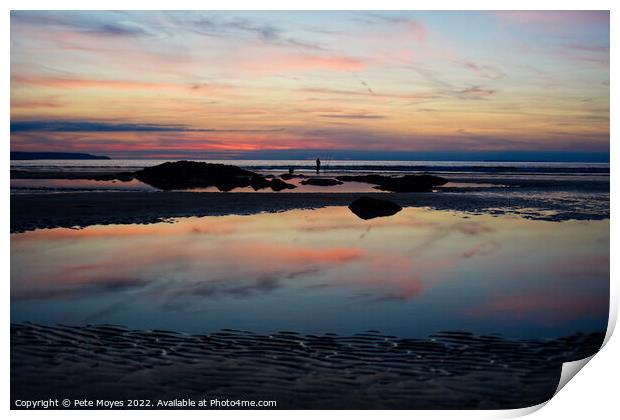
(35,103)
(414,27)
(354,116)
(86,83)
(367,87)
(589,48)
(485,71)
(119,26)
(549,18)
(270,33)
(365,93)
(474,92)
(95,126)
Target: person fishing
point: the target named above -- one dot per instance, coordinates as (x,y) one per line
(318,165)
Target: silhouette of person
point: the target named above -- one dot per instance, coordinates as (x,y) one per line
(318,165)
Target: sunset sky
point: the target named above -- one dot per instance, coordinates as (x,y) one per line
(286,84)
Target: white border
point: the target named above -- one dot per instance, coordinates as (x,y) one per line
(592,394)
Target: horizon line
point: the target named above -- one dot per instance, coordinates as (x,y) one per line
(352,155)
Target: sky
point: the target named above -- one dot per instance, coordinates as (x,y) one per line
(355,84)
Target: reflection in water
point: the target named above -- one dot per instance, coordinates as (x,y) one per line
(323,270)
(58,185)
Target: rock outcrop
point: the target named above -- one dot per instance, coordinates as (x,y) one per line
(183,175)
(369,208)
(406,183)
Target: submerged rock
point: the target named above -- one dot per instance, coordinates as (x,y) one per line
(370,179)
(279,185)
(411,183)
(321,182)
(120,176)
(406,183)
(258,182)
(369,208)
(288,176)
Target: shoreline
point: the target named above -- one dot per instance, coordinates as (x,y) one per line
(70,210)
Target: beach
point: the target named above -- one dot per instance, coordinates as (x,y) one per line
(550,198)
(138,293)
(451,370)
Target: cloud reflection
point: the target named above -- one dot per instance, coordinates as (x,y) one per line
(411,264)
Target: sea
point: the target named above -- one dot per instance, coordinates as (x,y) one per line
(460,173)
(348,166)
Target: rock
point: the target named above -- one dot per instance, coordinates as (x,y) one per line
(120,176)
(406,183)
(369,208)
(286,177)
(257,182)
(124,176)
(370,179)
(186,174)
(411,183)
(322,182)
(279,185)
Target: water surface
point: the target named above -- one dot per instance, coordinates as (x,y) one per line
(317,271)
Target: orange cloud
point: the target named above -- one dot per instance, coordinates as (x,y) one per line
(66,83)
(280,63)
(71,83)
(330,62)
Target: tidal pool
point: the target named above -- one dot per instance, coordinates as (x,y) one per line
(318,271)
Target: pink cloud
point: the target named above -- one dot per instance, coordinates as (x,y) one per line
(280,63)
(417,29)
(553,16)
(555,21)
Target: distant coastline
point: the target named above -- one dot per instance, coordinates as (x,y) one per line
(55,155)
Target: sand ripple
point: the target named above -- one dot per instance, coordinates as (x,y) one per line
(363,371)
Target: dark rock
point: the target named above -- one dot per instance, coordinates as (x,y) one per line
(411,183)
(121,176)
(125,176)
(322,182)
(406,183)
(370,179)
(103,177)
(257,182)
(279,185)
(185,174)
(369,208)
(286,177)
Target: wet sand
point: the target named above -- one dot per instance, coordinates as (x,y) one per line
(455,370)
(451,370)
(32,211)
